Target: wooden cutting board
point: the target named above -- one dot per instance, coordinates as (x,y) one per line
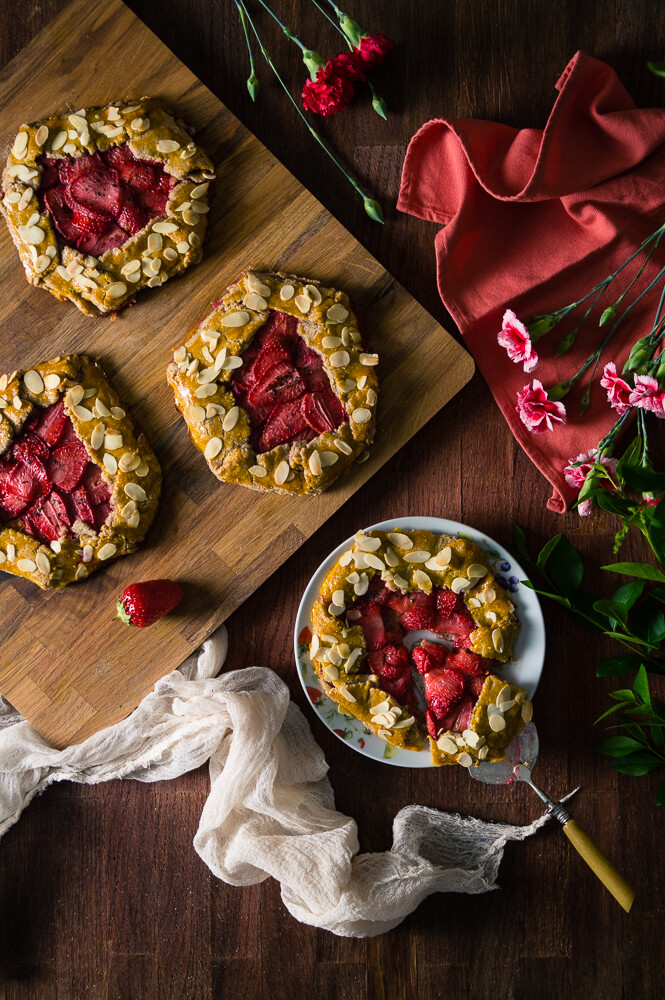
(64,663)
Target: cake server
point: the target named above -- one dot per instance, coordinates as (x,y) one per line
(520,759)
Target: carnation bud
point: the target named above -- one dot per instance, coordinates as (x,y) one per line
(373,209)
(608,315)
(253,85)
(351,29)
(560,390)
(660,370)
(638,357)
(313,62)
(379,106)
(541,325)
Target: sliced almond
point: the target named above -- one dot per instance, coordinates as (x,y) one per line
(422,581)
(329,458)
(167,146)
(82,412)
(236,318)
(497,639)
(135,492)
(231,418)
(282,472)
(496,721)
(369,360)
(26,565)
(117,289)
(345,693)
(367,543)
(303,303)
(254,283)
(417,556)
(459,584)
(339,359)
(195,414)
(258,470)
(446,745)
(286,292)
(476,571)
(361,415)
(110,463)
(106,551)
(129,461)
(112,441)
(330,672)
(331,342)
(337,313)
(472,738)
(255,302)
(527,711)
(314,294)
(490,595)
(213,448)
(314,463)
(362,586)
(374,561)
(33,382)
(465,759)
(167,228)
(97,436)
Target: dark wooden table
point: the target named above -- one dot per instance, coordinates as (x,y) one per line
(101,893)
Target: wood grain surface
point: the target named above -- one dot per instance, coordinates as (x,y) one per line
(220,541)
(101,893)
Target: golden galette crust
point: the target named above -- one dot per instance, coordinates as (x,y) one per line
(128,466)
(163,249)
(204,363)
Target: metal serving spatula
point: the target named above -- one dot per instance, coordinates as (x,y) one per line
(520,759)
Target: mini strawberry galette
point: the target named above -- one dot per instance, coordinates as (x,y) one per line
(106,201)
(275,386)
(391,584)
(78,485)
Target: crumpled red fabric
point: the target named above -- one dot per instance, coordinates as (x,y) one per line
(532,220)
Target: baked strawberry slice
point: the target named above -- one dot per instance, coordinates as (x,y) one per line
(457,627)
(281,384)
(378,592)
(275,351)
(154,201)
(50,173)
(70,169)
(447,602)
(417,618)
(138,175)
(101,512)
(443,691)
(429,655)
(405,602)
(317,414)
(475,686)
(47,518)
(82,509)
(30,446)
(459,718)
(469,664)
(98,189)
(310,366)
(88,220)
(20,484)
(97,490)
(132,218)
(61,215)
(98,245)
(285,423)
(391,665)
(391,624)
(67,464)
(368,616)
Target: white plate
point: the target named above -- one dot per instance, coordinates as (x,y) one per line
(524,670)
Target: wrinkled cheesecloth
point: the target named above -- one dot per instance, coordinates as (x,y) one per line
(271,809)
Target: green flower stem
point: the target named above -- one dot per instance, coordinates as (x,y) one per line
(565,387)
(348,26)
(378,103)
(252,80)
(567,342)
(372,207)
(311,59)
(332,21)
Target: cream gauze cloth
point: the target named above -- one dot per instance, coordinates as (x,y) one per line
(271,809)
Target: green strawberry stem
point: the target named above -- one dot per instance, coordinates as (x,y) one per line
(122,614)
(372,207)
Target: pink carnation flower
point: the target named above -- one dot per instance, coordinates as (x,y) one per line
(618,391)
(648,395)
(575,475)
(515,338)
(536,411)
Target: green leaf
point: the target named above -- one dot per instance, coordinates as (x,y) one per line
(658,593)
(660,795)
(635,764)
(612,610)
(641,686)
(546,552)
(618,746)
(648,622)
(553,597)
(628,593)
(612,666)
(644,571)
(624,695)
(614,504)
(659,69)
(565,567)
(644,480)
(610,711)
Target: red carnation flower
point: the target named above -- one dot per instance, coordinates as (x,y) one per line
(350,64)
(374,49)
(329,93)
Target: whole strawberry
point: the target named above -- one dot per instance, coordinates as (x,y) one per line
(143,604)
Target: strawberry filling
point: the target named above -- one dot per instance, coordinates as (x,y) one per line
(98,200)
(452,679)
(47,482)
(284,388)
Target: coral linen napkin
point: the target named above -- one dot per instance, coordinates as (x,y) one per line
(271,809)
(532,220)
